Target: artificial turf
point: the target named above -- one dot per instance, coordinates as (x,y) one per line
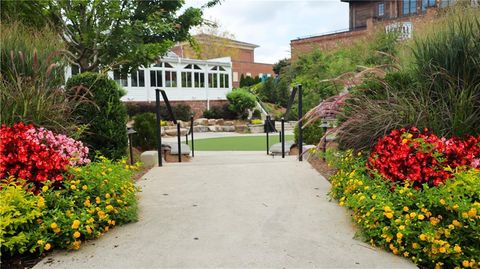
(237,143)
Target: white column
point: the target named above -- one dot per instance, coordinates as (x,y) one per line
(207,70)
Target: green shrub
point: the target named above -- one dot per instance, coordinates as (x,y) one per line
(438,226)
(145,138)
(105,114)
(240,101)
(312,133)
(220,112)
(256,121)
(90,201)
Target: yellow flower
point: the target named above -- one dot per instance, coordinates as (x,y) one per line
(90,220)
(457,249)
(442,201)
(84,187)
(442,250)
(106,229)
(404,141)
(89,230)
(47,246)
(73,187)
(87,203)
(413,214)
(45,188)
(465,263)
(75,224)
(101,214)
(109,207)
(405,208)
(41,202)
(388,215)
(465,215)
(40,242)
(401,227)
(456,223)
(113,222)
(98,200)
(76,234)
(409,135)
(414,245)
(405,254)
(434,221)
(472,212)
(455,206)
(53,225)
(76,244)
(423,237)
(387,208)
(399,235)
(107,195)
(421,217)
(56,230)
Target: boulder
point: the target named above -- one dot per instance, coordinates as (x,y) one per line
(201,121)
(220,122)
(215,128)
(201,129)
(240,128)
(229,123)
(227,128)
(149,158)
(256,129)
(173,132)
(212,122)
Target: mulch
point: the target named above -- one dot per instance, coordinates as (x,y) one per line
(322,167)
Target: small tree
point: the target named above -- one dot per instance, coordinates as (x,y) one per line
(240,101)
(105,115)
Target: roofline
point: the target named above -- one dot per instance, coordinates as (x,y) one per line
(233,42)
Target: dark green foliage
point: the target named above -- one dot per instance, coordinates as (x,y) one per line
(274,91)
(240,101)
(105,115)
(247,81)
(181,112)
(312,133)
(279,66)
(257,114)
(220,112)
(145,138)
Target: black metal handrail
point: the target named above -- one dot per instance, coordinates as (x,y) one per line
(190,132)
(172,117)
(295,90)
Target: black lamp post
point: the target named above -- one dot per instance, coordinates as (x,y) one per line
(130,133)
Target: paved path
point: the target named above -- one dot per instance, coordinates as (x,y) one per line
(232,210)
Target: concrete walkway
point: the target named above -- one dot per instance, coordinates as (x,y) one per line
(232,210)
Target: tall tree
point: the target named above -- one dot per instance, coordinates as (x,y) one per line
(130,33)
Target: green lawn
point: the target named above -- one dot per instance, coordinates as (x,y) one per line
(237,143)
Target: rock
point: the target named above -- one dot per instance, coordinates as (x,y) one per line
(212,122)
(183,124)
(215,128)
(227,128)
(240,128)
(256,129)
(220,122)
(173,132)
(149,158)
(201,121)
(201,129)
(229,123)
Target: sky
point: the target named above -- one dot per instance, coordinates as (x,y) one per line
(271,24)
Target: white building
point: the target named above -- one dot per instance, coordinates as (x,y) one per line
(182,79)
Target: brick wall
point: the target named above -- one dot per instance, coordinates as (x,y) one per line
(255,69)
(336,40)
(197,106)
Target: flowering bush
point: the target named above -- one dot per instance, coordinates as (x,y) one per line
(36,154)
(422,157)
(91,200)
(434,226)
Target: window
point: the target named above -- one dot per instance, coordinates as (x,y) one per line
(75,70)
(235,76)
(213,80)
(120,78)
(170,79)
(249,74)
(446,3)
(186,79)
(224,81)
(138,78)
(409,7)
(199,80)
(167,65)
(381,9)
(428,3)
(156,78)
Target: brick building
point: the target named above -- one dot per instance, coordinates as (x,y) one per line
(365,16)
(241,53)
